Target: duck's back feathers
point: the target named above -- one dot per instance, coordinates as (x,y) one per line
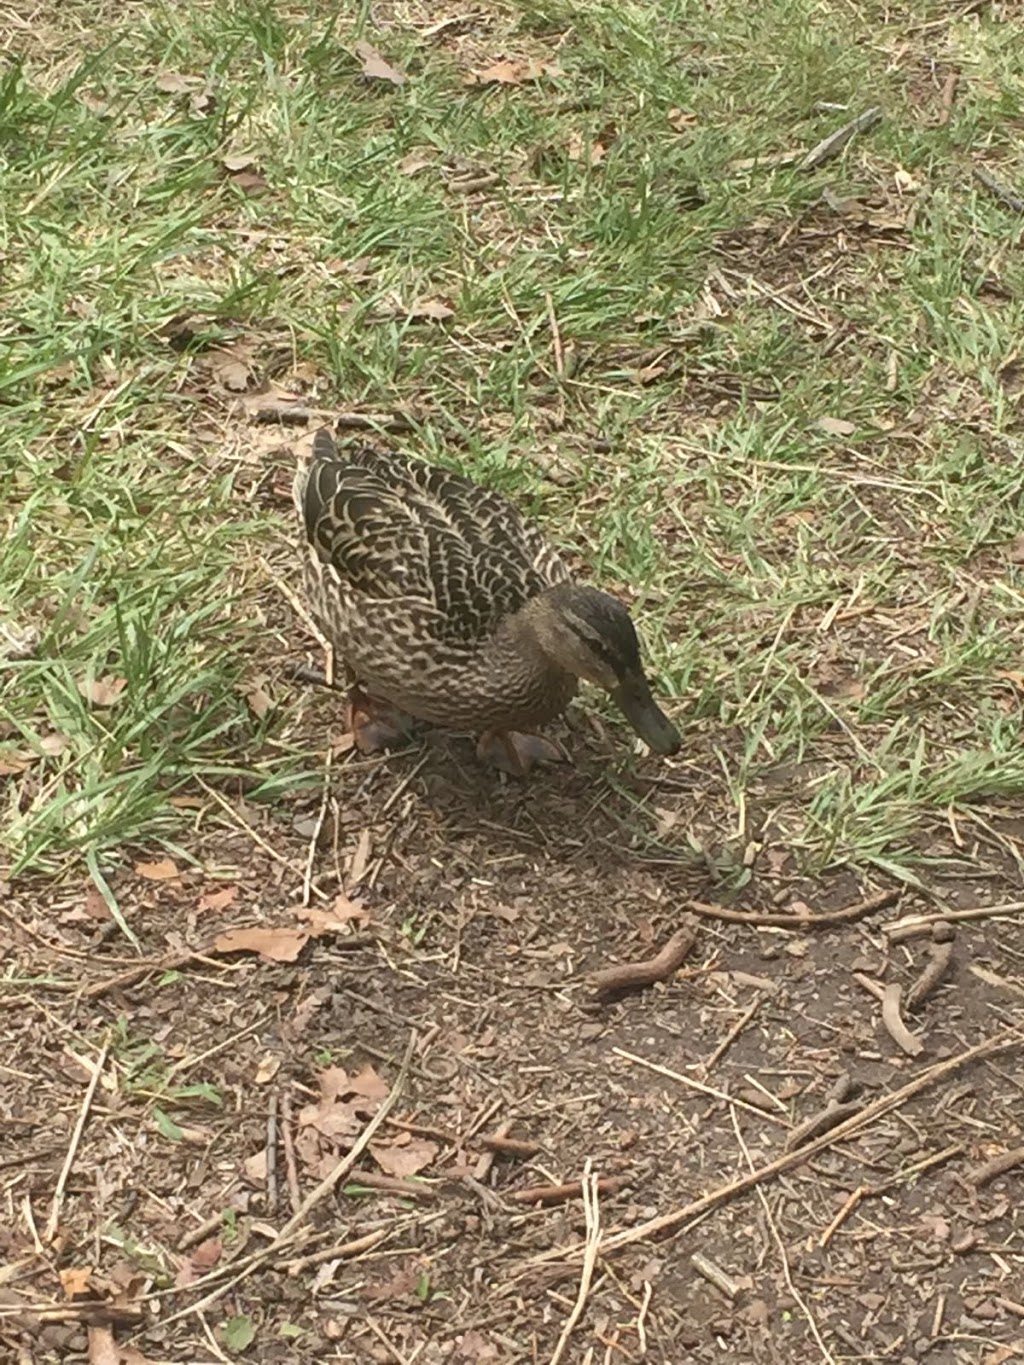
(390,528)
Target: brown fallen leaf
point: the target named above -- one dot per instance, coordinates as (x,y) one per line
(219,899)
(104,691)
(375,68)
(415,162)
(261,703)
(345,1103)
(249,179)
(177,83)
(75,1281)
(255,1166)
(836,426)
(403,1281)
(202,1259)
(273,945)
(231,368)
(404,1158)
(201,99)
(426,310)
(13,762)
(593,153)
(165,870)
(513,72)
(681,120)
(338,919)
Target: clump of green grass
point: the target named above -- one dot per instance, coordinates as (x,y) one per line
(851,595)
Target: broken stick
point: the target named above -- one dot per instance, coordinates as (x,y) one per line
(634,976)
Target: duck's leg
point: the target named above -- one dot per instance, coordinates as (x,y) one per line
(375,724)
(516,753)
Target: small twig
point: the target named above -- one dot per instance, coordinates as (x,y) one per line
(474,183)
(976,912)
(708,1090)
(312,677)
(391,1184)
(781,1248)
(641,1318)
(715,1275)
(831,146)
(632,976)
(872,1191)
(591,1185)
(314,838)
(874,988)
(1006,1041)
(170,962)
(199,1234)
(76,1136)
(293,1227)
(255,835)
(1001,983)
(946,106)
(998,190)
(297,415)
(941,959)
(341,1251)
(558,1194)
(507,1146)
(893,1021)
(823,1121)
(774,920)
(342,1168)
(485,1161)
(271,1152)
(890,997)
(849,1204)
(997,1166)
(288,1142)
(737,1028)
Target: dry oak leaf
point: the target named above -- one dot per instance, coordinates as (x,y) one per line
(513,72)
(375,68)
(165,870)
(75,1281)
(337,920)
(345,1101)
(231,369)
(102,691)
(219,899)
(404,1158)
(273,945)
(836,426)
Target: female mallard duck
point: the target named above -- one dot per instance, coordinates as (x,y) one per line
(444,605)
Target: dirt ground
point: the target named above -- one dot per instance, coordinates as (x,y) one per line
(453,920)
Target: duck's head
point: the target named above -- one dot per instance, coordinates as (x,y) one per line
(590,634)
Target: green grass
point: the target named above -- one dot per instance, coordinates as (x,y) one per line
(845,601)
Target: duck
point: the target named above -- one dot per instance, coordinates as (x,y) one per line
(445,606)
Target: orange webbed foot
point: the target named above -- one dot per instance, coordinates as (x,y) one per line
(376,724)
(516,753)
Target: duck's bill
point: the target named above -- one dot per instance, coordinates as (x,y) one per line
(634,700)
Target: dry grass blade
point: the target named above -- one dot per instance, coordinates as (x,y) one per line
(699,1086)
(780,1246)
(76,1136)
(591,1248)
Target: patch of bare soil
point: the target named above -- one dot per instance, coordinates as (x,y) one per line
(338,1131)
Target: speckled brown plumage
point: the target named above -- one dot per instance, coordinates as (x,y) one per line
(437,595)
